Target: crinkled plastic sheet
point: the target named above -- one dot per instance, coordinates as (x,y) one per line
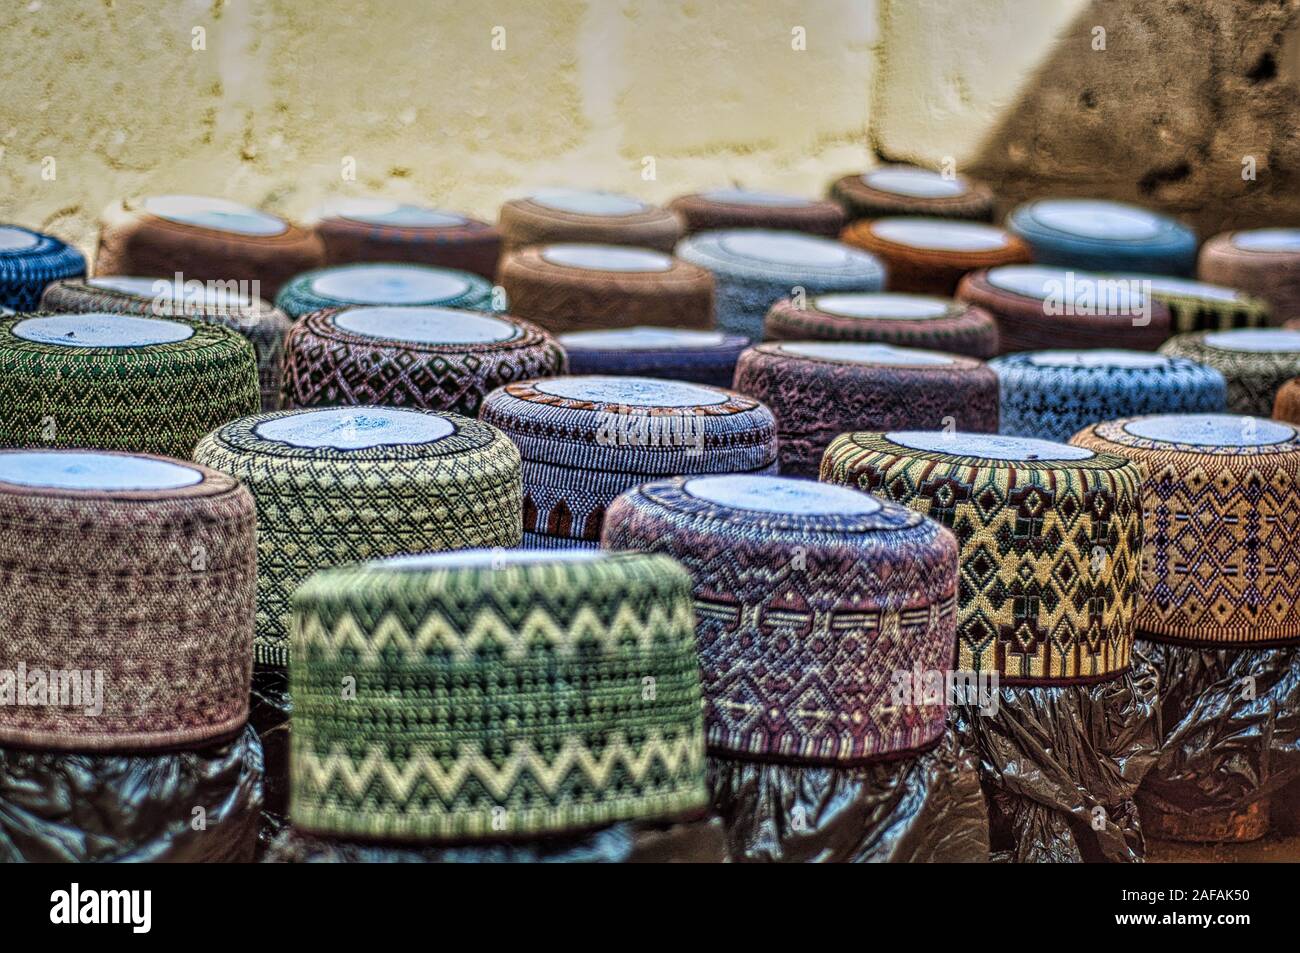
(688,842)
(1050,757)
(1229,743)
(268,712)
(77,807)
(924,808)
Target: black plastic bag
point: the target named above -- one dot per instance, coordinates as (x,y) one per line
(268,712)
(1061,766)
(76,807)
(926,807)
(1229,743)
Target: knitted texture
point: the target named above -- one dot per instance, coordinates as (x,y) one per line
(906,320)
(1038,308)
(1256,362)
(1221,564)
(559,296)
(263,324)
(530,698)
(1287,404)
(1055,394)
(820,391)
(805,618)
(536,221)
(737,208)
(28,262)
(908,190)
(135,241)
(149,590)
(384,284)
(702,357)
(930,255)
(1050,546)
(391,232)
(1104,236)
(1262,262)
(543,541)
(754,268)
(581,451)
(322,506)
(1197,306)
(157,398)
(326,364)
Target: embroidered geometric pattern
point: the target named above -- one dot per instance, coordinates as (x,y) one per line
(322,506)
(1193,312)
(1050,551)
(24,272)
(299,295)
(493,702)
(1253,376)
(157,398)
(958,329)
(805,620)
(1221,562)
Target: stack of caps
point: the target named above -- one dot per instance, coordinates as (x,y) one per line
(384,284)
(1198,306)
(743,208)
(1264,262)
(811,601)
(208,239)
(1039,307)
(1055,394)
(585,440)
(426,357)
(1256,362)
(1051,544)
(1287,404)
(551,216)
(28,262)
(119,382)
(1221,565)
(1104,236)
(500,695)
(349,484)
(572,287)
(930,255)
(820,390)
(906,320)
(135,573)
(703,357)
(381,230)
(264,325)
(908,190)
(753,268)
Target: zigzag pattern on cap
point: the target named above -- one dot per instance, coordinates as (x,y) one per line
(1254,377)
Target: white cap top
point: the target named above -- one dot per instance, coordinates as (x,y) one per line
(990,446)
(749,197)
(355,428)
(607,257)
(392,214)
(883,304)
(642,339)
(1268,240)
(770,494)
(786,248)
(856,353)
(632,391)
(1211,430)
(79,470)
(389,284)
(1164,284)
(1255,339)
(586,202)
(100,329)
(13,238)
(914,182)
(940,234)
(1090,218)
(188,292)
(422,324)
(219,214)
(1102,357)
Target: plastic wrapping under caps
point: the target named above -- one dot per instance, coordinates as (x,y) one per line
(909,190)
(30,260)
(1039,307)
(579,215)
(702,357)
(120,382)
(384,284)
(754,268)
(811,600)
(429,358)
(1055,394)
(369,229)
(747,208)
(906,320)
(573,287)
(203,238)
(1104,236)
(1221,564)
(585,440)
(819,390)
(1255,361)
(1264,262)
(1198,306)
(344,485)
(521,683)
(133,576)
(1051,544)
(930,255)
(258,320)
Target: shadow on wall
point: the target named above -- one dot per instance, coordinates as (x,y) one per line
(1181,101)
